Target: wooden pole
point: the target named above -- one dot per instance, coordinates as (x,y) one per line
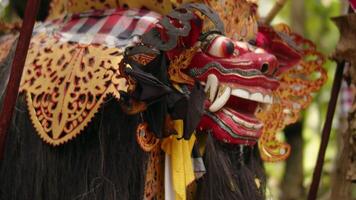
(18,63)
(313,191)
(274,11)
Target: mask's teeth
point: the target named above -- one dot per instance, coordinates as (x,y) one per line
(257,97)
(212,85)
(241,93)
(253,96)
(221,99)
(268,99)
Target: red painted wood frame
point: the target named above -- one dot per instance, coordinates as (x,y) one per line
(18,63)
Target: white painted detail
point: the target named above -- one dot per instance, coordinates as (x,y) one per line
(241,93)
(260,50)
(257,96)
(168,181)
(212,85)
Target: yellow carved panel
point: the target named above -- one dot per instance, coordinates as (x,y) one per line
(65,84)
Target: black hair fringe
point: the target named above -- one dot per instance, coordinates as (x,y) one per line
(104,162)
(231,173)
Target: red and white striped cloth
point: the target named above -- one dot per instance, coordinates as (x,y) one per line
(113,28)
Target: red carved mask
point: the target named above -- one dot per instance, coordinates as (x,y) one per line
(239,79)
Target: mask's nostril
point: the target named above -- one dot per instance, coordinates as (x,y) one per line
(264,68)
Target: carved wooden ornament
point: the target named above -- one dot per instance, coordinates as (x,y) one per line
(65,84)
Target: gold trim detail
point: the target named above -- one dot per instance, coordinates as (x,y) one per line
(154,183)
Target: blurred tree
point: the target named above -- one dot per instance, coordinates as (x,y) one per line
(292,182)
(345,170)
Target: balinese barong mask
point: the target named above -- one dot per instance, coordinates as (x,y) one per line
(178,66)
(238,78)
(249,83)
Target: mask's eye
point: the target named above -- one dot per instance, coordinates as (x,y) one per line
(221,47)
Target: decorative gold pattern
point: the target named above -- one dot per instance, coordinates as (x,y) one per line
(154,176)
(179,63)
(238,16)
(61,7)
(161,6)
(143,59)
(294,94)
(65,84)
(145,138)
(58,8)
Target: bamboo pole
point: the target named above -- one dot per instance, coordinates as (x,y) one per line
(18,63)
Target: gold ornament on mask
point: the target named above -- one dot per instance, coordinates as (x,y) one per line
(294,95)
(145,138)
(179,63)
